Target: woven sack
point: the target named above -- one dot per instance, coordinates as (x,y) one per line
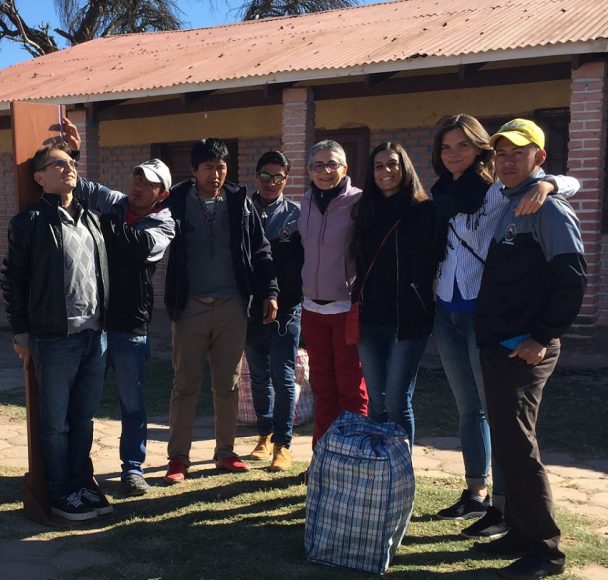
(304,397)
(360,494)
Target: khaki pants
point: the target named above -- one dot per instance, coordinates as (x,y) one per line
(219,330)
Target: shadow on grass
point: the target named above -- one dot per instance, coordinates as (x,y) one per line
(236,526)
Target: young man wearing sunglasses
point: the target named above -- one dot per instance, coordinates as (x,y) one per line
(55,286)
(271,348)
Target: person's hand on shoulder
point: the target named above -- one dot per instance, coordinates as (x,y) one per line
(534,199)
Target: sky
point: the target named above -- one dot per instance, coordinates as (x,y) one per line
(197,14)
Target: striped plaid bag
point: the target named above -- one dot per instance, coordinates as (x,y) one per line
(360,494)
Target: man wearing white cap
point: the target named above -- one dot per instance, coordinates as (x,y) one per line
(137,232)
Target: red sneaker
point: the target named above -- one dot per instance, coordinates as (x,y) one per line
(232,463)
(176,471)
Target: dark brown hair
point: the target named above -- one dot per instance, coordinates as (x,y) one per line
(476,135)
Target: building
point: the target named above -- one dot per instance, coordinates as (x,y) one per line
(360,75)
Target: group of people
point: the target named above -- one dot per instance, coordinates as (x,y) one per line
(491,263)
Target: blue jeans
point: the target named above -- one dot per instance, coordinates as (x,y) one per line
(390,367)
(455,337)
(127,354)
(70,372)
(271,353)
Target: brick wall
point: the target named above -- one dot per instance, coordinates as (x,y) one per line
(298,136)
(89,148)
(418,143)
(587,161)
(8,201)
(250,151)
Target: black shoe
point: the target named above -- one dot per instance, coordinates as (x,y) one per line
(507,546)
(531,567)
(134,484)
(466,507)
(491,526)
(95,500)
(71,507)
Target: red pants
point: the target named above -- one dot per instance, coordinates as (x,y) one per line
(335,371)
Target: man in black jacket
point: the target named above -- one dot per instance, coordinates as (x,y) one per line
(531,291)
(219,260)
(56,289)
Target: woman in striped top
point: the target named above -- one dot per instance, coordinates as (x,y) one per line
(469,202)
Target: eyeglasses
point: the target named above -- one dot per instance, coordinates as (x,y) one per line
(319,167)
(267,178)
(62,164)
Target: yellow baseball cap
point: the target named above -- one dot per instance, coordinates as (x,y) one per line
(520,132)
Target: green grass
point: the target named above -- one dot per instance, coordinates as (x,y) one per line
(251,525)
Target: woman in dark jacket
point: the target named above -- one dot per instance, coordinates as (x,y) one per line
(396,260)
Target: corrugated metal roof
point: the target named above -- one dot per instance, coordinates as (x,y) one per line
(392,36)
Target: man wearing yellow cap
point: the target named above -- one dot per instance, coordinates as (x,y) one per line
(531,291)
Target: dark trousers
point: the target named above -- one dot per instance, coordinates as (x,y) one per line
(513,393)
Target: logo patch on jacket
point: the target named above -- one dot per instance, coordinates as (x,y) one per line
(510,233)
(284,234)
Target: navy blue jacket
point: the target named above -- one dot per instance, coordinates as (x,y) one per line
(280,222)
(535,274)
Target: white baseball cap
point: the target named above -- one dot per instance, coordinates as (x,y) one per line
(155,171)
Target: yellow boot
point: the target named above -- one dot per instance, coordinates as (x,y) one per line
(281,458)
(263,449)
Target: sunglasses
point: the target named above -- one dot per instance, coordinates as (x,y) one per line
(62,164)
(267,178)
(319,167)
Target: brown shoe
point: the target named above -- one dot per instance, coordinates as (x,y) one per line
(263,449)
(281,458)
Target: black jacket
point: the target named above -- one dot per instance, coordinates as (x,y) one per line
(399,288)
(280,222)
(33,278)
(250,250)
(133,252)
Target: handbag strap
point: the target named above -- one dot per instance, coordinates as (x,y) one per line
(371,265)
(464,243)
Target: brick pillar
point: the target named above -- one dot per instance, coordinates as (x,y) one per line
(587,162)
(298,136)
(89,149)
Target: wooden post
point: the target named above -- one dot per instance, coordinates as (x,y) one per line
(34,125)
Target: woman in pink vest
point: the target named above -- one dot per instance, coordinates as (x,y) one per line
(326,228)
